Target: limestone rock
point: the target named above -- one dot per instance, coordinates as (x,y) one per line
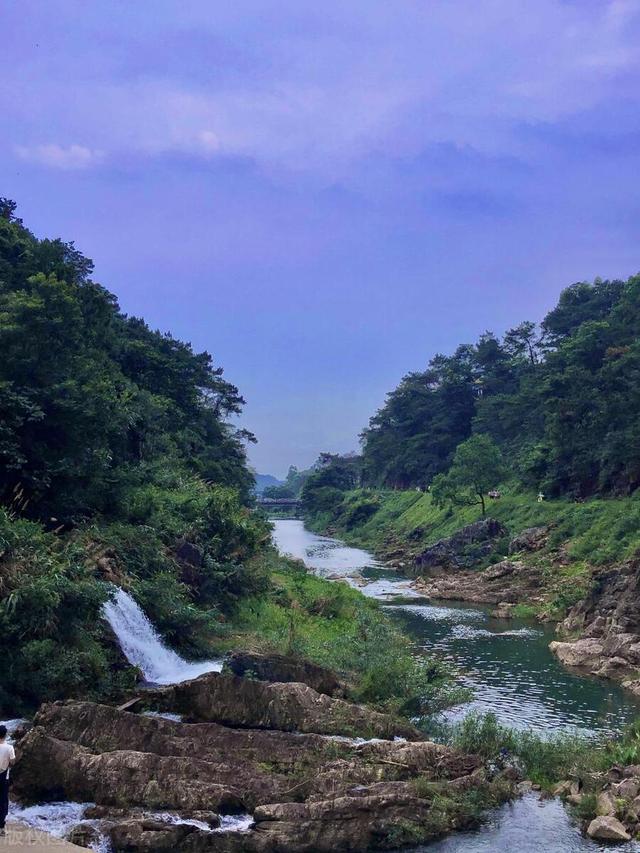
(563,789)
(609,621)
(49,767)
(84,835)
(628,789)
(308,793)
(285,668)
(580,653)
(530,539)
(140,836)
(242,702)
(607,828)
(504,584)
(605,805)
(464,548)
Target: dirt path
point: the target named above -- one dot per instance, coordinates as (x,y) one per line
(21,838)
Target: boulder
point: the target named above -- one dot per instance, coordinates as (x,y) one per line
(389,816)
(607,828)
(84,835)
(628,789)
(52,769)
(580,653)
(245,703)
(284,668)
(309,793)
(464,548)
(562,789)
(608,616)
(530,539)
(504,584)
(614,668)
(148,836)
(605,804)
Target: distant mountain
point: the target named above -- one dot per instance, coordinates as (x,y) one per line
(264,480)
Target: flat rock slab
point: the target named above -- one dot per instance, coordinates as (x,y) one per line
(307,793)
(21,838)
(287,707)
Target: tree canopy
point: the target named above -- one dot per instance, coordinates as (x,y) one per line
(91,399)
(476,469)
(561,401)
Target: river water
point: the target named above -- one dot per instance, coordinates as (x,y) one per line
(508,666)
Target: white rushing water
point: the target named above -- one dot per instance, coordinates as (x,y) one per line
(57,819)
(143,647)
(228,823)
(11,726)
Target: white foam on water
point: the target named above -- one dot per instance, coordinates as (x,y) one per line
(235,823)
(228,823)
(359,741)
(163,715)
(11,726)
(56,819)
(176,820)
(143,647)
(440,614)
(468,632)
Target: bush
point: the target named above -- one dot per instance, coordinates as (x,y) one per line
(544,760)
(336,626)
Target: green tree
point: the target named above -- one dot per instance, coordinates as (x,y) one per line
(477,467)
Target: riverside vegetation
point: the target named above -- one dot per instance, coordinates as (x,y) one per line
(119,468)
(507,473)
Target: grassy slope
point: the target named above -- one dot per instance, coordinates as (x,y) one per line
(336,626)
(599,531)
(399,525)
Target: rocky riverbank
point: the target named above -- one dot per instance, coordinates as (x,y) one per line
(451,569)
(601,634)
(314,772)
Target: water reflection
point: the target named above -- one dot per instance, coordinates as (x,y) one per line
(529,825)
(506,663)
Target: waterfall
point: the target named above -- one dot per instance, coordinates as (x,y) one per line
(143,647)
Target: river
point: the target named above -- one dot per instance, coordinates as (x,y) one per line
(508,666)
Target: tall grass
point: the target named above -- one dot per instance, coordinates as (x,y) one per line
(543,759)
(336,626)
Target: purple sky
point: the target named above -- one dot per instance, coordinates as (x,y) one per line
(323,195)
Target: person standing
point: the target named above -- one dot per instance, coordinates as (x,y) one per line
(7,759)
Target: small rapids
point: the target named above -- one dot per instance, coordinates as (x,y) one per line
(228,823)
(11,726)
(468,632)
(143,647)
(57,819)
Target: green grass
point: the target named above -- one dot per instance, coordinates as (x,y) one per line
(543,760)
(598,532)
(336,626)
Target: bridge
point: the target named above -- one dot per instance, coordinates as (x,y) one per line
(292,504)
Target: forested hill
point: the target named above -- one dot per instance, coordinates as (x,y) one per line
(561,400)
(93,401)
(117,466)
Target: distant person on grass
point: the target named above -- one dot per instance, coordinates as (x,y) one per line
(7,759)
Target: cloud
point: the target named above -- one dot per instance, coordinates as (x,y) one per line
(316,95)
(72,157)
